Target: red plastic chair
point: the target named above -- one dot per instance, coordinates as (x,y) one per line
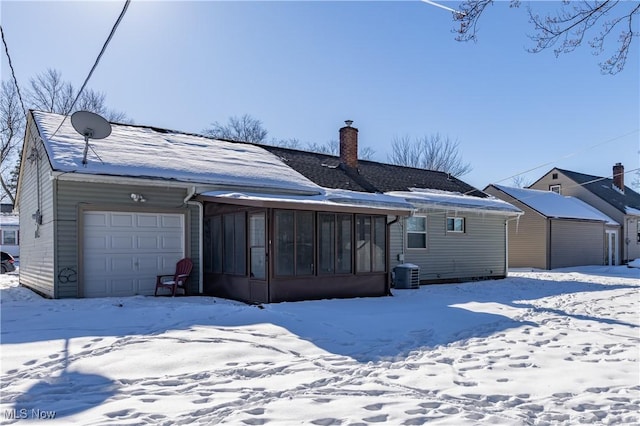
(177,280)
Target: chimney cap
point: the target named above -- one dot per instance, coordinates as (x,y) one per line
(348,122)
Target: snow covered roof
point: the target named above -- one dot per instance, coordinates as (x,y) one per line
(139,151)
(329,200)
(632,211)
(421,197)
(554,205)
(9,219)
(605,189)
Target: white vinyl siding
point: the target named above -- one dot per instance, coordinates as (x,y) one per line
(36,239)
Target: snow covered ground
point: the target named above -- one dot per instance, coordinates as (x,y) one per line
(558,347)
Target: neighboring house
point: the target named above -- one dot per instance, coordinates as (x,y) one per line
(258,228)
(610,196)
(9,231)
(556,231)
(457,232)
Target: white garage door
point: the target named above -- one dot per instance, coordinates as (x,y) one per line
(124,251)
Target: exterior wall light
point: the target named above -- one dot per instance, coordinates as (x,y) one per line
(138,198)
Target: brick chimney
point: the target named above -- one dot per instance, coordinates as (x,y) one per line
(618,176)
(349,145)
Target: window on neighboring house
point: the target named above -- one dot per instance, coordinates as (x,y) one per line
(417,232)
(638,226)
(294,231)
(555,188)
(554,176)
(455,224)
(10,237)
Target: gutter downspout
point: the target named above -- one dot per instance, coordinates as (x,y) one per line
(188,201)
(625,246)
(387,260)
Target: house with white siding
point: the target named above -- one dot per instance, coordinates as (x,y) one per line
(9,231)
(261,224)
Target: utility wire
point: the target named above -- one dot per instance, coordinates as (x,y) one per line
(571,154)
(13,73)
(433,3)
(95,64)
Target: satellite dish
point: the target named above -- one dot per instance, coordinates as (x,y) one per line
(91,126)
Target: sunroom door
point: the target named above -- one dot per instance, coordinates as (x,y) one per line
(258,264)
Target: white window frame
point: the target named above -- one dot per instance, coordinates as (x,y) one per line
(555,188)
(425,233)
(455,220)
(14,233)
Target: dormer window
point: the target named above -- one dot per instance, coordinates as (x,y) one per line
(555,188)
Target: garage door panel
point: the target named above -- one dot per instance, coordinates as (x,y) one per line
(151,265)
(170,243)
(98,265)
(148,221)
(95,219)
(123,252)
(100,242)
(121,242)
(123,287)
(98,287)
(171,222)
(122,220)
(148,243)
(122,265)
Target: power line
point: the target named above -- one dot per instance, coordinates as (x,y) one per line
(570,155)
(95,64)
(13,73)
(433,3)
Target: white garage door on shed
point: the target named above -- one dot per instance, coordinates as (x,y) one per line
(124,251)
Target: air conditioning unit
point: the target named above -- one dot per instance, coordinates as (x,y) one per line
(406,276)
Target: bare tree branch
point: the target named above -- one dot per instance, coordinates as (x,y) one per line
(429,152)
(331,147)
(11,130)
(241,129)
(566,30)
(47,92)
(366,153)
(520,181)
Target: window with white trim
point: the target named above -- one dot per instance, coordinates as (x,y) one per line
(456,224)
(555,188)
(10,237)
(417,232)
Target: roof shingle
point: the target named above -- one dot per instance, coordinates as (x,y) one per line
(370,176)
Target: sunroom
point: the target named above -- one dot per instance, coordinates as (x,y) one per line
(260,248)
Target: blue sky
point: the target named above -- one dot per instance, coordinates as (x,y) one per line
(303,68)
